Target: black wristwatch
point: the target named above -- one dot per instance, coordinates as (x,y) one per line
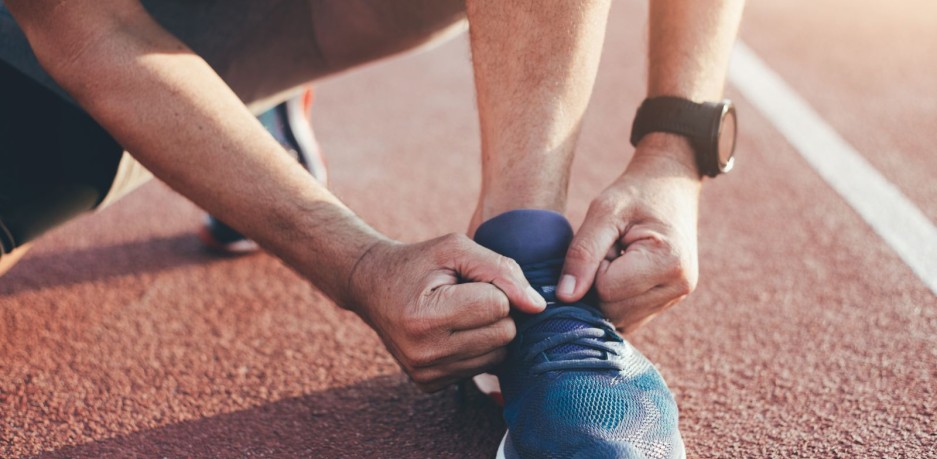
(710,127)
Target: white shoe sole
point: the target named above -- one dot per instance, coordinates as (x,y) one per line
(504,441)
(680,453)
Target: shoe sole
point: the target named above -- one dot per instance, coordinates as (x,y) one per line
(240,247)
(680,450)
(501,454)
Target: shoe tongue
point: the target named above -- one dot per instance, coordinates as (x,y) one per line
(536,239)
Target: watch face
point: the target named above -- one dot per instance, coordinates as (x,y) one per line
(727,132)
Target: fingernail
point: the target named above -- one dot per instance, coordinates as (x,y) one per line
(536,297)
(567,285)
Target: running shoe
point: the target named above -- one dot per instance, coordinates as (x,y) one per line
(290,124)
(573,387)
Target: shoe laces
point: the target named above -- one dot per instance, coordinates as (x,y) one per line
(592,347)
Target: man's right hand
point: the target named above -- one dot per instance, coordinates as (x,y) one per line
(441,306)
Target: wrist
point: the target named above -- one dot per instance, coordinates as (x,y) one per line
(325,243)
(672,152)
(367,267)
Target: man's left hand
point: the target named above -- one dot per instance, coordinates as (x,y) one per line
(637,244)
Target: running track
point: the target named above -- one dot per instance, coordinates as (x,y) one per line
(809,336)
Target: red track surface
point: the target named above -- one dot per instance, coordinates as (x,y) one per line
(867,67)
(807,337)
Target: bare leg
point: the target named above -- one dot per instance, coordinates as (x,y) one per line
(535,64)
(265,50)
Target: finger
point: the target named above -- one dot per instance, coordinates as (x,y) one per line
(635,272)
(482,265)
(478,304)
(467,344)
(440,377)
(646,263)
(480,341)
(587,250)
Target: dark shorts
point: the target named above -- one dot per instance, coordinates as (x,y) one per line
(56,162)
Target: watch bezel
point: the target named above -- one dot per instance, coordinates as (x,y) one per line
(727,109)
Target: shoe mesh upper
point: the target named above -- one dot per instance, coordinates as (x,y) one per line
(627,412)
(572,387)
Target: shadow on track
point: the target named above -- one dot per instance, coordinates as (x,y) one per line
(381,417)
(39,271)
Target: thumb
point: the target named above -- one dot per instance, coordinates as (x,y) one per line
(586,251)
(483,265)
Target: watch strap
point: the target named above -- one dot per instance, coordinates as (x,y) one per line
(679,116)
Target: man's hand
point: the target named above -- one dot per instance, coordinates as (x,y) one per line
(638,241)
(441,307)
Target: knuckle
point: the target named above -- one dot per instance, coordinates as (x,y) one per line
(658,240)
(510,265)
(667,260)
(423,321)
(682,279)
(684,286)
(422,357)
(417,326)
(674,268)
(500,334)
(502,307)
(455,240)
(505,332)
(603,206)
(580,251)
(494,304)
(448,246)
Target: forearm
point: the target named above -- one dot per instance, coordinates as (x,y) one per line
(689,46)
(177,117)
(535,64)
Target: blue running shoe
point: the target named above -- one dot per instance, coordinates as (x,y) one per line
(572,387)
(290,124)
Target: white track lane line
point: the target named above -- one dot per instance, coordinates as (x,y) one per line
(892,215)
